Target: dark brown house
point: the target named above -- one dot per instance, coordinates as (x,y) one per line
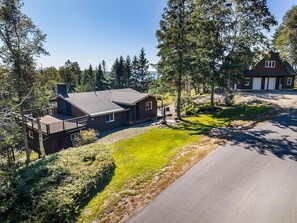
(271,73)
(100,110)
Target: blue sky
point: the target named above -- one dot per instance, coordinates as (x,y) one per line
(88,31)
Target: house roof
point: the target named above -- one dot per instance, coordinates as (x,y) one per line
(283,67)
(104,102)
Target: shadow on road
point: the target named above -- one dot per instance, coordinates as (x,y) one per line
(279,137)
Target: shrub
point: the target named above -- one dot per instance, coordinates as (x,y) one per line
(54,189)
(87,137)
(193,108)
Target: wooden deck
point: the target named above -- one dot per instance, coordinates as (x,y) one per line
(54,123)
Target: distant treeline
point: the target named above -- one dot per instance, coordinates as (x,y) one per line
(125,73)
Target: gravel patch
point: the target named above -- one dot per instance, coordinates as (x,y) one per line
(115,135)
(281,99)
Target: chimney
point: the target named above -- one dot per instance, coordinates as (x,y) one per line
(62,89)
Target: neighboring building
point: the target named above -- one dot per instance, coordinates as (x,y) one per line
(100,110)
(271,73)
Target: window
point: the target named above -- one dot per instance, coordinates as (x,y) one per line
(109,118)
(31,134)
(247,82)
(74,136)
(270,64)
(289,81)
(148,105)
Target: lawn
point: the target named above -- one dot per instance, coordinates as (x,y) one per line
(137,160)
(141,158)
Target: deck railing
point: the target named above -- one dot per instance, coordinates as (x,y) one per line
(60,126)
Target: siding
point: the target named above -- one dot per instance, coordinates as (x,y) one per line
(99,123)
(147,114)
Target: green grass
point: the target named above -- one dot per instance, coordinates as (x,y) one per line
(137,160)
(203,123)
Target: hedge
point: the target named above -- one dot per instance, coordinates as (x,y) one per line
(56,188)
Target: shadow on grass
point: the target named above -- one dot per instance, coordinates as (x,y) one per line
(204,123)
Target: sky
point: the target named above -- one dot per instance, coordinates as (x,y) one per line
(89,31)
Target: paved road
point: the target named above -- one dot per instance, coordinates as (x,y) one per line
(251,179)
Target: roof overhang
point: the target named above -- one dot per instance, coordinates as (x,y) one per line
(108,112)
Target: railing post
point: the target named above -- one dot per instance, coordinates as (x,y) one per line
(76,123)
(63,126)
(47,129)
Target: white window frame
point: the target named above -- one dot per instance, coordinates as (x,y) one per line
(247,82)
(270,64)
(31,134)
(74,136)
(111,118)
(289,80)
(148,105)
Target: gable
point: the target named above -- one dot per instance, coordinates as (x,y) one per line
(272,65)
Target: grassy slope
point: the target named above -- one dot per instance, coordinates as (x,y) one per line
(139,158)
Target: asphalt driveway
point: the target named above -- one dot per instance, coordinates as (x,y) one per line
(253,178)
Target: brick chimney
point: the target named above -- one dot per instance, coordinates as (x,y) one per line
(62,89)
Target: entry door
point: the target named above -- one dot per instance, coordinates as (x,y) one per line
(257,83)
(280,85)
(272,83)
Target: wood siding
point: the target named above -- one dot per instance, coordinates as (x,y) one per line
(100,124)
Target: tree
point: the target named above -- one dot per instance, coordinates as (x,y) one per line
(134,79)
(227,34)
(101,82)
(127,72)
(174,45)
(285,37)
(70,74)
(143,74)
(118,73)
(22,42)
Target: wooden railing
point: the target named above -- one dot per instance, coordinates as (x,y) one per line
(65,125)
(61,126)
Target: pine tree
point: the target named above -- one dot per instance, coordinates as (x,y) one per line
(143,73)
(174,45)
(134,79)
(101,83)
(114,81)
(127,72)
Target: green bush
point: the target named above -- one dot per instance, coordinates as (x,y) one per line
(55,189)
(87,137)
(194,109)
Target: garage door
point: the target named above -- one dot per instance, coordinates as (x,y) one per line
(257,82)
(272,83)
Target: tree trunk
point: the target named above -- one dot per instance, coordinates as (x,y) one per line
(204,88)
(227,99)
(178,103)
(40,138)
(212,106)
(26,141)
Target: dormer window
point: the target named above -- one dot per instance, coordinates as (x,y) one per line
(270,64)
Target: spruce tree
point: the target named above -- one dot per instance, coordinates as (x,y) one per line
(143,72)
(174,45)
(101,83)
(127,72)
(134,79)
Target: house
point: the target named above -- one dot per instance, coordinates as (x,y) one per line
(271,73)
(99,110)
